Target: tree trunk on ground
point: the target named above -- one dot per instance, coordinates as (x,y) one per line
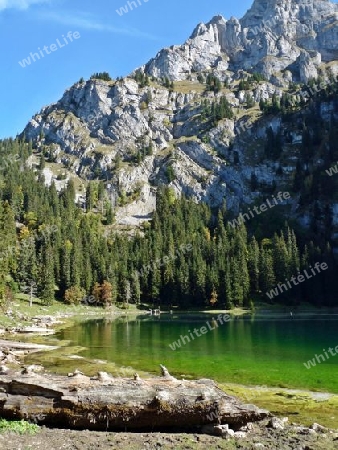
(107,403)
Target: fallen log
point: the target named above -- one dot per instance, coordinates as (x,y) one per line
(107,403)
(36,330)
(5,344)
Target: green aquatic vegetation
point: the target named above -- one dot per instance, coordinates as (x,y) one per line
(300,406)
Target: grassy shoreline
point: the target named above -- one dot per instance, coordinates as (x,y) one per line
(22,313)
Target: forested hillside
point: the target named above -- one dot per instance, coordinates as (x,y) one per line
(188,255)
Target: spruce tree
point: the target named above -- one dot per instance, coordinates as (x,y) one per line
(46,277)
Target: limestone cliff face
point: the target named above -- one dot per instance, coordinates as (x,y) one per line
(274,35)
(97,122)
(140,137)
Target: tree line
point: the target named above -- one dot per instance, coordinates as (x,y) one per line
(52,248)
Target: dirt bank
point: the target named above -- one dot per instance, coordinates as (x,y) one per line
(261,437)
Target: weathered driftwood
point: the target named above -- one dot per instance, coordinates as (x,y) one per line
(107,403)
(13,345)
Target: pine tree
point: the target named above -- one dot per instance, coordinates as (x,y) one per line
(91,196)
(126,293)
(66,279)
(27,272)
(46,278)
(253,264)
(42,162)
(249,100)
(106,294)
(96,293)
(267,275)
(135,289)
(110,214)
(281,258)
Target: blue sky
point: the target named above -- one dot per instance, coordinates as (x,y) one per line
(107,42)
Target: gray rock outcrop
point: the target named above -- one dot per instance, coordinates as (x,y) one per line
(273,36)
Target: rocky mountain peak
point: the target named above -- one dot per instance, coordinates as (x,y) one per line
(273,36)
(217,20)
(308,9)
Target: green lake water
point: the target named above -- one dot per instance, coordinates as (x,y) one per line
(261,349)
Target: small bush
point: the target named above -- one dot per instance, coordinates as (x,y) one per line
(19,427)
(170,173)
(74,295)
